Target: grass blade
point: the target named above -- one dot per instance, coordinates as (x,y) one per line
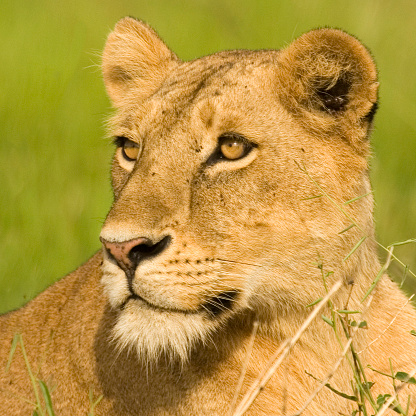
(357,198)
(93,403)
(346,229)
(355,248)
(339,393)
(47,397)
(373,285)
(12,350)
(347,312)
(403,243)
(31,375)
(327,320)
(313,303)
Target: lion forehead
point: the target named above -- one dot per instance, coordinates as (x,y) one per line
(213,76)
(226,84)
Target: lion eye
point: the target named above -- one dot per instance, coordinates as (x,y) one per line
(234,146)
(129,149)
(232,149)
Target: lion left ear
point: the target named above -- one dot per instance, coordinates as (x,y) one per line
(135,60)
(328,80)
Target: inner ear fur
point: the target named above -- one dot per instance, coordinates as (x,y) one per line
(134,59)
(328,80)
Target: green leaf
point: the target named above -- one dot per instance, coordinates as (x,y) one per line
(381,399)
(367,385)
(401,376)
(327,320)
(362,324)
(395,406)
(47,397)
(314,302)
(413,332)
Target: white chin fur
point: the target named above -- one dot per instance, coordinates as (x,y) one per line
(154,333)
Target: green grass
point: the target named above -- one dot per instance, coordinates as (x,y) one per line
(54,158)
(42,405)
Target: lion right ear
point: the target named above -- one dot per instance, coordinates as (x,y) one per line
(328,80)
(135,61)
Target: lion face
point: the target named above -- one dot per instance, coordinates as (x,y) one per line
(213,177)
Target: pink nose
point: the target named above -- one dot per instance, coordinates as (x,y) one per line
(129,253)
(122,251)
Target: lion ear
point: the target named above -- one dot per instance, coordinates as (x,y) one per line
(329,81)
(135,60)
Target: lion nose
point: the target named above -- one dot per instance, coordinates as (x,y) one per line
(128,254)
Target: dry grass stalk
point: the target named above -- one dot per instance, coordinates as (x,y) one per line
(326,380)
(261,381)
(333,370)
(388,326)
(244,368)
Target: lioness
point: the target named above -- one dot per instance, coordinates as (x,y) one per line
(230,177)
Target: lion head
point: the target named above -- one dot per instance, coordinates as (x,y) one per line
(216,211)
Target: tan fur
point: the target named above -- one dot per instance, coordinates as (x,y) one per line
(246,227)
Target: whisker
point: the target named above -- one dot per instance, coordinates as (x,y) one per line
(218,304)
(202,282)
(239,262)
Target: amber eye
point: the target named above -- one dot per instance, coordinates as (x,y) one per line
(234,146)
(231,146)
(129,149)
(232,149)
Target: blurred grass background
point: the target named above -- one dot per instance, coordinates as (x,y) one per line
(55,160)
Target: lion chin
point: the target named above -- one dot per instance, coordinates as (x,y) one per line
(155,331)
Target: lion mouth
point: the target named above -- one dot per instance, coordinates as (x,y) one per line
(137,298)
(213,307)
